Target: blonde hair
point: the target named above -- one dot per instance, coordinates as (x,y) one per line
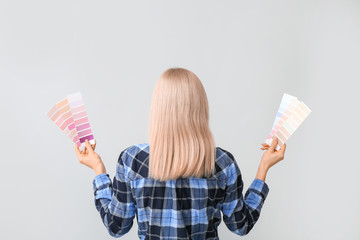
(181,143)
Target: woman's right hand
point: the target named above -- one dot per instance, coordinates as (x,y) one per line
(271,156)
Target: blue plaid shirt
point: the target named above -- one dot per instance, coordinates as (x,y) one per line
(184,208)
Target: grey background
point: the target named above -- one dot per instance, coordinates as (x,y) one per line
(247,54)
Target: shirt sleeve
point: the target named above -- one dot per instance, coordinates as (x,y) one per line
(114,201)
(240,214)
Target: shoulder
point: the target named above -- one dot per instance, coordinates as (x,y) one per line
(224,157)
(134,159)
(225,163)
(134,151)
(136,148)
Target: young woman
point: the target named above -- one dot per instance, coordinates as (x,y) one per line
(178,185)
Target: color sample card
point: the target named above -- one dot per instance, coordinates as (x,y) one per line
(289,117)
(81,120)
(286,109)
(71,117)
(62,118)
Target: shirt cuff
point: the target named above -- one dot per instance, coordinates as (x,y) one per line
(261,187)
(102,186)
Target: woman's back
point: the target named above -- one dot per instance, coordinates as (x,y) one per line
(183,208)
(152,180)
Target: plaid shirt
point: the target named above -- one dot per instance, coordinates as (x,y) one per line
(184,208)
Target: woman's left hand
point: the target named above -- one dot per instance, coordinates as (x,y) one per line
(90,158)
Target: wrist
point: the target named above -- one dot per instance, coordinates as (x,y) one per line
(263,166)
(100,169)
(262,171)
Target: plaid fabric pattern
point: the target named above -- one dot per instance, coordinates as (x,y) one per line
(184,208)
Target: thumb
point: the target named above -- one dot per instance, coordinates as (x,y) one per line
(273,144)
(88,146)
(282,149)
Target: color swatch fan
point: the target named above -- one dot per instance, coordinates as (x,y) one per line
(289,117)
(70,116)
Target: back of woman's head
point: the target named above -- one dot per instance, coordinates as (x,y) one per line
(181,143)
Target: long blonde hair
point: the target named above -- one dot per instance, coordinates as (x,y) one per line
(181,143)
